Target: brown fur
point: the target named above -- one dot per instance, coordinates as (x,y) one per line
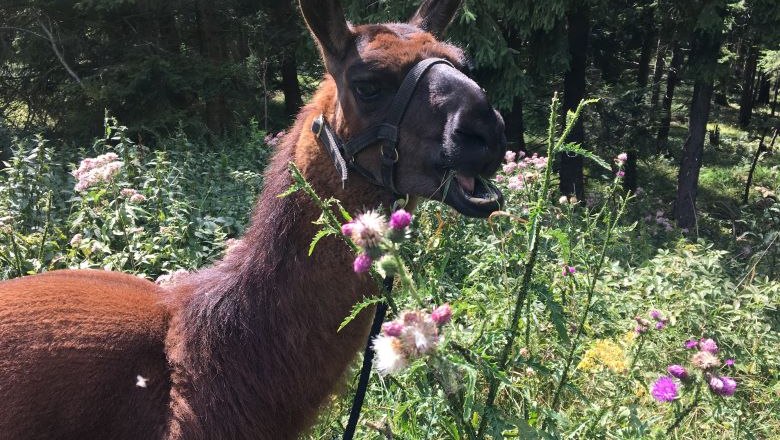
(247,348)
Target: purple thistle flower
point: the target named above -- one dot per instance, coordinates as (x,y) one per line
(442,314)
(656,314)
(691,343)
(729,386)
(348,228)
(392,328)
(620,174)
(569,270)
(362,263)
(664,389)
(400,219)
(729,362)
(640,329)
(716,385)
(660,325)
(708,345)
(678,371)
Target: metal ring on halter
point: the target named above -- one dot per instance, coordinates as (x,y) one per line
(389,159)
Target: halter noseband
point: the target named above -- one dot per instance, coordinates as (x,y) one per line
(384,133)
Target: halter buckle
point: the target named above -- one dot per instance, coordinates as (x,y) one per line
(389,160)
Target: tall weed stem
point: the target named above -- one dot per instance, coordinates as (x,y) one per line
(534,228)
(611,222)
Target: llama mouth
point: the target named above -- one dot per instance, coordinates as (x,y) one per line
(472,196)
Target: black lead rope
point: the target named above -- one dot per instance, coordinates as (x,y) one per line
(368,360)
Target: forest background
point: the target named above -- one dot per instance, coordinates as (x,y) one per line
(208,68)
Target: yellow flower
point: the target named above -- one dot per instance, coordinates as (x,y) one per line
(604,354)
(629,337)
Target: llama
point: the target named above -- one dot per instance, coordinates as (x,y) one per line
(249,348)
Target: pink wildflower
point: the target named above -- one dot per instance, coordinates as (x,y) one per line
(621,174)
(621,158)
(729,386)
(347,228)
(368,229)
(708,345)
(664,389)
(510,156)
(362,263)
(516,183)
(691,343)
(509,167)
(678,371)
(442,314)
(392,328)
(92,171)
(137,198)
(76,240)
(400,219)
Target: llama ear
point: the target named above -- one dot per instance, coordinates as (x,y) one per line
(327,23)
(435,15)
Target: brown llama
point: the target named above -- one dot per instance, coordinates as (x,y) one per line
(248,348)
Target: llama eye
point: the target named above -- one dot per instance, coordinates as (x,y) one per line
(366,90)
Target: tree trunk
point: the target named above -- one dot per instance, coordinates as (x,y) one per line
(765,85)
(290,87)
(705,48)
(212,48)
(748,77)
(777,90)
(672,77)
(643,70)
(570,172)
(515,126)
(690,165)
(761,148)
(630,180)
(284,18)
(658,71)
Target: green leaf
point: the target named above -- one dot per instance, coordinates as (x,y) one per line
(357,309)
(317,237)
(290,191)
(577,149)
(557,314)
(563,241)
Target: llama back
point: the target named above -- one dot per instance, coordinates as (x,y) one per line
(82,357)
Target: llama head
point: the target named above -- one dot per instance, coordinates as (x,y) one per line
(450,139)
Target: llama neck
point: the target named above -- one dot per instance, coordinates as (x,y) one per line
(254,344)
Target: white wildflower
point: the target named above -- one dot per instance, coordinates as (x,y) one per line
(390,359)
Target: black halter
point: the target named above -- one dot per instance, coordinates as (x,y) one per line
(385,133)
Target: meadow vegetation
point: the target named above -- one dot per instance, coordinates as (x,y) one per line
(571,347)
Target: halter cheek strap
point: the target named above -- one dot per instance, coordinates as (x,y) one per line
(385,133)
